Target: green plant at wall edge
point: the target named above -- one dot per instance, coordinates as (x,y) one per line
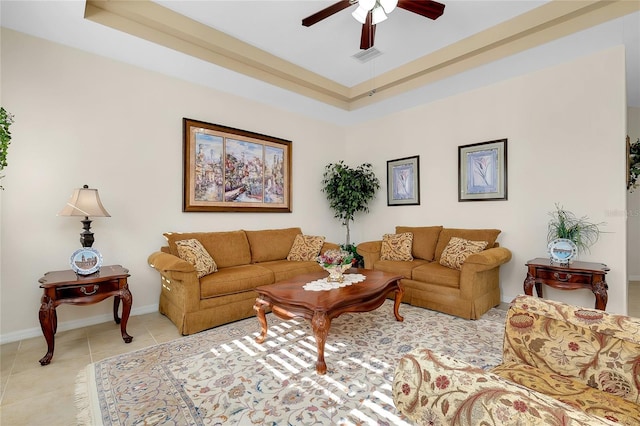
(349,190)
(634,165)
(564,224)
(6,120)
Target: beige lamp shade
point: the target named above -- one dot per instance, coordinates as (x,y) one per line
(86,202)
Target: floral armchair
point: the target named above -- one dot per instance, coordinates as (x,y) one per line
(562,365)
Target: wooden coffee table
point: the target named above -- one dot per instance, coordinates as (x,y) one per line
(288,299)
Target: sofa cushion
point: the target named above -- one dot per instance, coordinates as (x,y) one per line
(457,251)
(235,279)
(398,266)
(271,244)
(285,269)
(598,348)
(488,235)
(229,248)
(396,247)
(193,252)
(435,273)
(572,392)
(425,239)
(305,248)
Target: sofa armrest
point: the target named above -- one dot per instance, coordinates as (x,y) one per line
(329,246)
(179,277)
(488,259)
(370,252)
(167,263)
(480,272)
(430,388)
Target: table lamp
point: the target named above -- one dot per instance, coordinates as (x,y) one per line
(85,202)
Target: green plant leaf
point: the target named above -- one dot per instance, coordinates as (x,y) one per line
(564,224)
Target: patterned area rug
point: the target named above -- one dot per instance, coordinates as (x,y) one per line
(222,376)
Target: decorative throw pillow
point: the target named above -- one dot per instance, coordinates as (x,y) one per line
(193,252)
(305,247)
(457,251)
(396,246)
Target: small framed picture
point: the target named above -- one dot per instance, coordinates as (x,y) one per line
(403,181)
(86,261)
(482,171)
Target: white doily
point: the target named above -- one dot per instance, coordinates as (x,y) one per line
(323,284)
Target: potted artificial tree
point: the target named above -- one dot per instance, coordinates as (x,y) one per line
(569,235)
(349,190)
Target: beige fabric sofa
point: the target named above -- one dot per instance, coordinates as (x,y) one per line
(562,365)
(467,293)
(245,260)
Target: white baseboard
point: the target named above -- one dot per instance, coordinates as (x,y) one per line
(634,277)
(71,325)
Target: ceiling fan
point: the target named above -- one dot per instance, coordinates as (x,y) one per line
(372,12)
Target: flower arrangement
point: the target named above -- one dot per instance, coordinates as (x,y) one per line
(335,262)
(335,257)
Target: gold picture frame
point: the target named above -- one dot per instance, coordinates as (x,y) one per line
(233,170)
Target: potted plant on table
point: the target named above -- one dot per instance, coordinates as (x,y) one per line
(349,191)
(569,235)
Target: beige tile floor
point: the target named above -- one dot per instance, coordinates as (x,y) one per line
(36,395)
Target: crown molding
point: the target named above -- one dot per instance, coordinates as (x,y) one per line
(157,24)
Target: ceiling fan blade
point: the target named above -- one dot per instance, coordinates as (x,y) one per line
(325,13)
(368,32)
(428,8)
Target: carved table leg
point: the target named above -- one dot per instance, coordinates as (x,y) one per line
(48,323)
(116,306)
(528,285)
(127,300)
(396,304)
(539,289)
(259,308)
(600,290)
(320,324)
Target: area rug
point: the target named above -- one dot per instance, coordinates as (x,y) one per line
(222,376)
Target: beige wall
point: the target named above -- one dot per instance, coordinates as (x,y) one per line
(86,119)
(633,205)
(564,127)
(83,119)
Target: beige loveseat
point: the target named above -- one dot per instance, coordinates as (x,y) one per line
(562,365)
(244,260)
(467,292)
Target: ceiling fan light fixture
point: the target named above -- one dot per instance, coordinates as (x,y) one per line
(360,14)
(378,15)
(388,5)
(367,4)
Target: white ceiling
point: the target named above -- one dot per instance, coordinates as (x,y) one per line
(326,48)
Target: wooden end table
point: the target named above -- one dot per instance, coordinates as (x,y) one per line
(68,287)
(288,299)
(568,277)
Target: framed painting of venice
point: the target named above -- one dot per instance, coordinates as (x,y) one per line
(482,171)
(233,170)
